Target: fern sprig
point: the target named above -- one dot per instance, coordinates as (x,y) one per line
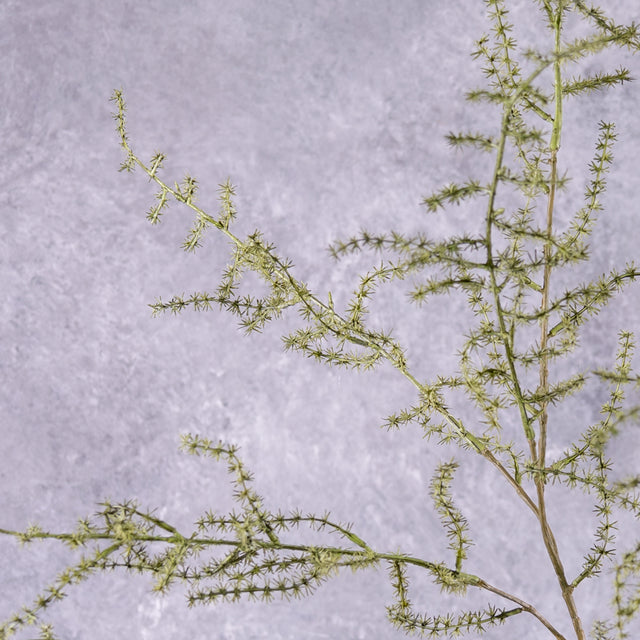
(452,519)
(506,272)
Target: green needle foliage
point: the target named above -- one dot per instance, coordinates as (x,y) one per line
(522,329)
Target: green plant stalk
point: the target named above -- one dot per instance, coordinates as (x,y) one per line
(370,554)
(547,533)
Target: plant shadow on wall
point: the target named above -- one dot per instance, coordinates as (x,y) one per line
(505,368)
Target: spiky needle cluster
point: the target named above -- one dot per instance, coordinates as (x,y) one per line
(505,272)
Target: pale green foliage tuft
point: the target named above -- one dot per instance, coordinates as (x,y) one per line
(454,522)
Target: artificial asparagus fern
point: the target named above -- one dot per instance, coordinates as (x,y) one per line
(506,273)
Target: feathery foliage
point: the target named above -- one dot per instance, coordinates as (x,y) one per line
(505,271)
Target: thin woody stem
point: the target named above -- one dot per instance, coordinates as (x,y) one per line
(473,580)
(547,533)
(527,607)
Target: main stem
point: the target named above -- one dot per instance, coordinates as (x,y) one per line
(547,533)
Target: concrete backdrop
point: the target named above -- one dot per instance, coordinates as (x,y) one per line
(328,116)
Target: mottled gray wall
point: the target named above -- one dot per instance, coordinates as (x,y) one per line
(328,116)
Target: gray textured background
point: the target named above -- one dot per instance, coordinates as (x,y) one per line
(328,116)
